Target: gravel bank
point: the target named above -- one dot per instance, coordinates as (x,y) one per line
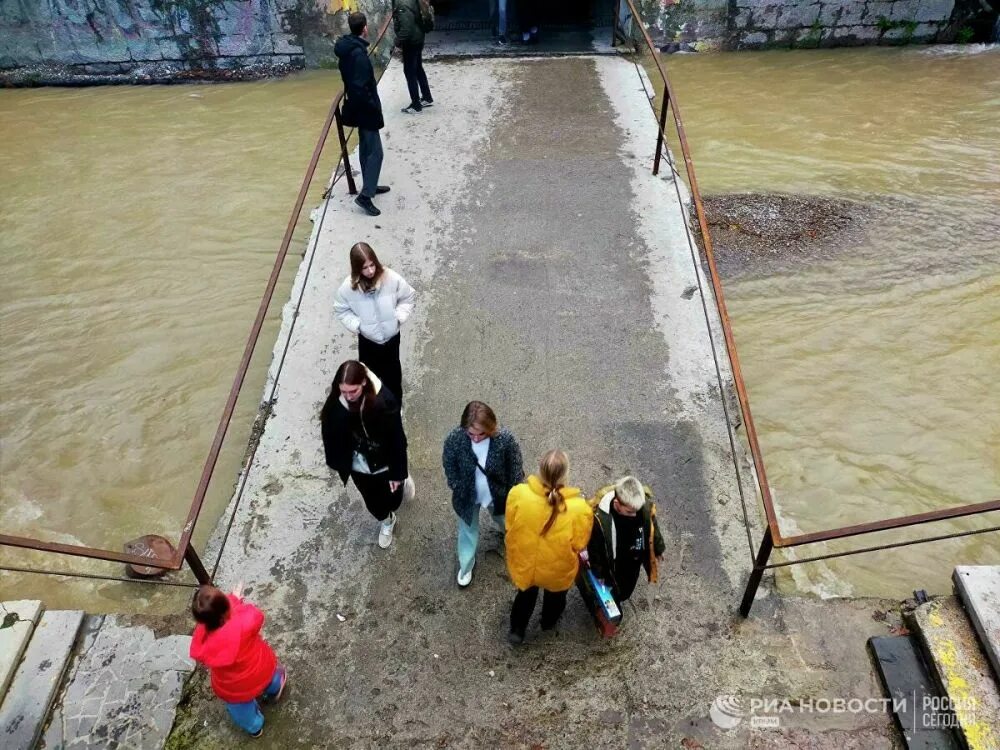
(763,234)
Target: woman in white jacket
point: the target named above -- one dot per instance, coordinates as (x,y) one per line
(373,302)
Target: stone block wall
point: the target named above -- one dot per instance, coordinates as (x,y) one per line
(759,24)
(106,37)
(63,41)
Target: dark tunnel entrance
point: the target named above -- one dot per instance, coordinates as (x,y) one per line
(552,15)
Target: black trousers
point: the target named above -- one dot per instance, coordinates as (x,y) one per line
(553,604)
(374,488)
(527,15)
(413,69)
(626,576)
(383,360)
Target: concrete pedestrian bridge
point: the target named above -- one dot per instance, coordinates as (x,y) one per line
(556,282)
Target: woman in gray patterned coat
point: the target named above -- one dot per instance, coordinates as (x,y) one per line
(481,463)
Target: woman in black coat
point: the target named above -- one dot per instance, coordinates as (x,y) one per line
(481,463)
(363,438)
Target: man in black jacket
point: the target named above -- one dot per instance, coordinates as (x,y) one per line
(362,107)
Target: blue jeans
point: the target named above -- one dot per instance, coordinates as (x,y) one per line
(247,715)
(468,538)
(501,11)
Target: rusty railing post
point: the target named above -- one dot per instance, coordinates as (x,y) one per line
(763,554)
(194,562)
(352,188)
(661,131)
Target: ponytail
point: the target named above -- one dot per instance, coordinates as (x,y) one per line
(555,502)
(552,471)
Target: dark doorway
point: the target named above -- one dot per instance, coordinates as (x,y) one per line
(453,15)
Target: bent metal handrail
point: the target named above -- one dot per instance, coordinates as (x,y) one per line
(185,552)
(772,534)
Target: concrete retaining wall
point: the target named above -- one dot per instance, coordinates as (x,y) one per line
(159,38)
(69,40)
(758,24)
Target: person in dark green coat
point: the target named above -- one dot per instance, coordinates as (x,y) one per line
(410,22)
(626,537)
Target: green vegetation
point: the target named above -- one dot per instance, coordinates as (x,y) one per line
(201,17)
(964,35)
(908,27)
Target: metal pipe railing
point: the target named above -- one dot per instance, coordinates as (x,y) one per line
(772,535)
(184,551)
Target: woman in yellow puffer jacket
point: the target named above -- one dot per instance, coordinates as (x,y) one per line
(548,524)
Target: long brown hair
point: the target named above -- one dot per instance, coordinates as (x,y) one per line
(478,414)
(209,606)
(552,472)
(350,372)
(361,253)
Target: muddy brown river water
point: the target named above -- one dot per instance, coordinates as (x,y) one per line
(872,376)
(138,226)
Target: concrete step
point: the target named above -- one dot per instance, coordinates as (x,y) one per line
(978,588)
(908,682)
(26,706)
(961,670)
(122,688)
(17,624)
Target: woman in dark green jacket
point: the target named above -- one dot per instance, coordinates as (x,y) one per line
(410,23)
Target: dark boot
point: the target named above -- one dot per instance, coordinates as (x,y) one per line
(367,206)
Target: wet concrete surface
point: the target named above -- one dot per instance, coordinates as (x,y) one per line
(549,286)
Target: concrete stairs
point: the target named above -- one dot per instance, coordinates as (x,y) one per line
(34,657)
(68,680)
(947,667)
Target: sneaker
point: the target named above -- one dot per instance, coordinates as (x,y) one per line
(515,638)
(281,687)
(270,699)
(366,205)
(464,579)
(258,734)
(409,490)
(525,37)
(385,531)
(382,190)
(426,102)
(411,109)
(502,41)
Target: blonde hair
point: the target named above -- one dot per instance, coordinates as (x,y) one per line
(630,492)
(552,471)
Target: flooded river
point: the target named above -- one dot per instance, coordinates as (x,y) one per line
(138,226)
(872,377)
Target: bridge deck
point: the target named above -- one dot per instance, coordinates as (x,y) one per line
(555,282)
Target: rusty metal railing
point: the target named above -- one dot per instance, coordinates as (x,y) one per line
(772,537)
(185,552)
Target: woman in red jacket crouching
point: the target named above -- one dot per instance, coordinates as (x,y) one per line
(242,666)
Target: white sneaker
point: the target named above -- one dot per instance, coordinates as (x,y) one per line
(385,531)
(409,490)
(466,578)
